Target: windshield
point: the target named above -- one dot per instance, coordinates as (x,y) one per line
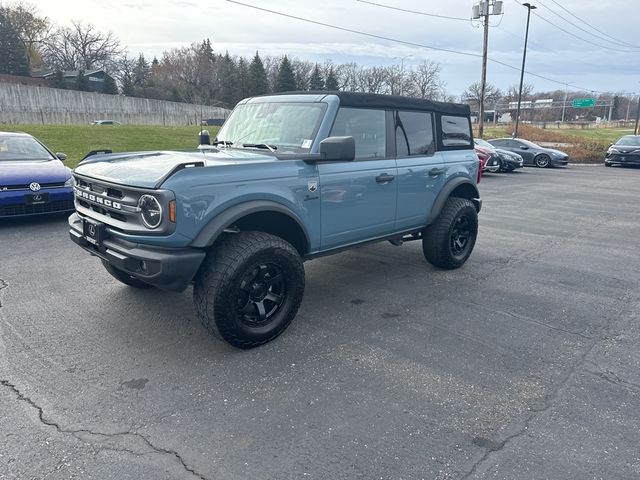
(284,127)
(484,143)
(528,143)
(22,148)
(630,140)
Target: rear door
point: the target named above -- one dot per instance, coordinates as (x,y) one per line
(358,198)
(421,170)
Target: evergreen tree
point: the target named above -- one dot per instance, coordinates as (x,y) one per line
(229,81)
(57,79)
(257,82)
(110,86)
(331,83)
(82,82)
(316,82)
(243,78)
(13,56)
(286,79)
(141,72)
(127,86)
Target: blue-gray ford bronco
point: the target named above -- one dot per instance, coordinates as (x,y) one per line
(289,177)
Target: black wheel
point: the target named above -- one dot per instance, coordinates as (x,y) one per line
(543,161)
(448,242)
(124,277)
(249,288)
(606,164)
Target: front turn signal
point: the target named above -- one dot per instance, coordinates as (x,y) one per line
(172,211)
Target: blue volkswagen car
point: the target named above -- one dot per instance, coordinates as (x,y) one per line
(33,180)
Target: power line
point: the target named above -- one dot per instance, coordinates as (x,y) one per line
(403,42)
(581,28)
(573,34)
(413,11)
(621,42)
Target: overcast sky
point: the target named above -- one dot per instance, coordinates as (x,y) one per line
(605,64)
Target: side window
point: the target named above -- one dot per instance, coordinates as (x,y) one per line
(456,131)
(498,143)
(414,134)
(367,127)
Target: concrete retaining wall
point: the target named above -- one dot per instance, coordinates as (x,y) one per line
(42,105)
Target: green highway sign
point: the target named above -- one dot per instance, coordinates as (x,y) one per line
(584,102)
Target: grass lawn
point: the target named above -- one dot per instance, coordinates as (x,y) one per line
(77,140)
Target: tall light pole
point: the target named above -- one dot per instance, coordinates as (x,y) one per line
(635,129)
(566,94)
(402,70)
(483,10)
(524,58)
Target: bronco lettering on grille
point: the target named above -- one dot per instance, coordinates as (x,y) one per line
(98,199)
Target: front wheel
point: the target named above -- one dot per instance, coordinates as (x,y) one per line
(543,161)
(448,242)
(249,288)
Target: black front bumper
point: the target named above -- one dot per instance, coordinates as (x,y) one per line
(623,159)
(169,269)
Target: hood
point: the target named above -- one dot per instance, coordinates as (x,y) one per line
(625,148)
(557,152)
(15,172)
(150,169)
(509,154)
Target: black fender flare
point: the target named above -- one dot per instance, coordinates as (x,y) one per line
(220,222)
(445,193)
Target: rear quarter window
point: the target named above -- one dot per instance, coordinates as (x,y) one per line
(456,132)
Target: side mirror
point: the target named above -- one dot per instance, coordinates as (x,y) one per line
(61,156)
(524,147)
(337,149)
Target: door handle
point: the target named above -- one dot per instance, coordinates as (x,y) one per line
(384,178)
(434,172)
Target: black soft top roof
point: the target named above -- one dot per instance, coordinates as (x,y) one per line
(375,100)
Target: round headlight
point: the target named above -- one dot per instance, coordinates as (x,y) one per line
(150,210)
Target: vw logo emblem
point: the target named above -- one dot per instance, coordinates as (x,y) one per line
(92,230)
(34,186)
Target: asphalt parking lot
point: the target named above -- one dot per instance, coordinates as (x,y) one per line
(524,364)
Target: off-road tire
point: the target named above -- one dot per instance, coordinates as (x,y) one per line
(124,277)
(542,161)
(440,240)
(221,288)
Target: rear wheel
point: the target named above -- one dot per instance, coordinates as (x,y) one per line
(249,288)
(543,161)
(124,277)
(448,242)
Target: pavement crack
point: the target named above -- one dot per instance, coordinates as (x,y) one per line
(611,377)
(100,438)
(3,284)
(492,446)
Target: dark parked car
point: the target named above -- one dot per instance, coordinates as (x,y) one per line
(488,161)
(531,153)
(507,160)
(33,180)
(626,151)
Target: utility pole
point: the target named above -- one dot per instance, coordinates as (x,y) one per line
(402,71)
(635,129)
(566,95)
(484,9)
(524,58)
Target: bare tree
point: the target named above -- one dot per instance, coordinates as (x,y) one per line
(511,95)
(472,94)
(373,79)
(81,47)
(425,82)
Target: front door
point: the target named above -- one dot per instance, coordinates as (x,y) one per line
(358,198)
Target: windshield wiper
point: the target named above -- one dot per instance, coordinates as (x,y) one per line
(271,148)
(225,143)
